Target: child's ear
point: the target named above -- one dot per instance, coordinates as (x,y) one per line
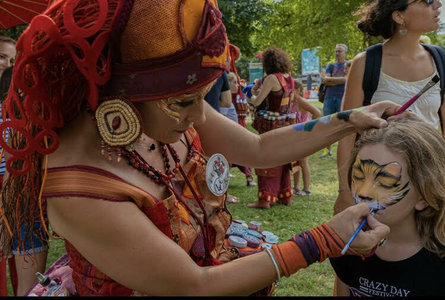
(421,204)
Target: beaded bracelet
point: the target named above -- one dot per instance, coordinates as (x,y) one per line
(277,282)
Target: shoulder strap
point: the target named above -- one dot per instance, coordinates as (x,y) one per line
(372,71)
(292,82)
(283,82)
(438,55)
(193,140)
(92,183)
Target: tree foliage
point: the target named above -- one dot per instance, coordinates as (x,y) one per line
(243,19)
(14,32)
(294,25)
(300,24)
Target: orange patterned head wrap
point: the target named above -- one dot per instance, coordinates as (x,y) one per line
(161,57)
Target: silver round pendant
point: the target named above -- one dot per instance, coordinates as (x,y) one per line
(218,174)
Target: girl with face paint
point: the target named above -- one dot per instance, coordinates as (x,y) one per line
(399,171)
(111,143)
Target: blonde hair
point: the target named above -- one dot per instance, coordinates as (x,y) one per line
(423,149)
(231,76)
(299,85)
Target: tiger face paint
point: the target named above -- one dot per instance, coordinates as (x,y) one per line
(377,185)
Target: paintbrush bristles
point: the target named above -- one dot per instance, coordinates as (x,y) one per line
(408,103)
(430,84)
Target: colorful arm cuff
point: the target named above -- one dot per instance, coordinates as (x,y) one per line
(317,244)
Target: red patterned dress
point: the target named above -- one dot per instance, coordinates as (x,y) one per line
(274,184)
(169,215)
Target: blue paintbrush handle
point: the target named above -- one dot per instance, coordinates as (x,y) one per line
(353,237)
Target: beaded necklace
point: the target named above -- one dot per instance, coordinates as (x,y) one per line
(138,162)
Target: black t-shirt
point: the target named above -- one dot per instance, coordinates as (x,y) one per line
(423,274)
(213,96)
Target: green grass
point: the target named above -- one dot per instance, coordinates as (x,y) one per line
(284,221)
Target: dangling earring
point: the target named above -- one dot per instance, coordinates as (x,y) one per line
(403,30)
(119,125)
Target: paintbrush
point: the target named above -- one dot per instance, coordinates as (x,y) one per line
(372,210)
(408,103)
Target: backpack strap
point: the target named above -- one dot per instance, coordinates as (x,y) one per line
(438,55)
(372,71)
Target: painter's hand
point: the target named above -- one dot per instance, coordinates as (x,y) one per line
(345,223)
(406,114)
(373,115)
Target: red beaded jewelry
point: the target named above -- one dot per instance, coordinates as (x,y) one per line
(139,163)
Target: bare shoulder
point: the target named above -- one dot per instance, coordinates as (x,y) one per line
(76,216)
(271,82)
(359,60)
(271,78)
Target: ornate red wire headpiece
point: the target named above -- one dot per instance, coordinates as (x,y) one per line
(71,54)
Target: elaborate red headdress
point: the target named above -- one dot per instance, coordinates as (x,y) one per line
(81,49)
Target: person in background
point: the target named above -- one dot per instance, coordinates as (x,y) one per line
(7,53)
(400,168)
(303,110)
(129,162)
(347,67)
(234,88)
(405,69)
(275,95)
(334,80)
(247,91)
(219,95)
(7,57)
(5,79)
(24,265)
(238,97)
